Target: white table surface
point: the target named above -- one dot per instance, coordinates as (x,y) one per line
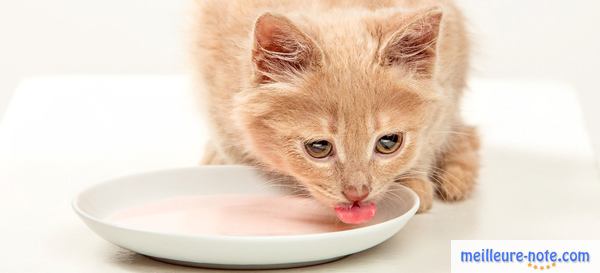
(62,134)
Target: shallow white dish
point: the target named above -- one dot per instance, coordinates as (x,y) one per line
(97,204)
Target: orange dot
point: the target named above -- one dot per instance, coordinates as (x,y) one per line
(529,265)
(535,267)
(542,267)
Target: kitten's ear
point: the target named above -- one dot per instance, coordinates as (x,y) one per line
(281,50)
(413,42)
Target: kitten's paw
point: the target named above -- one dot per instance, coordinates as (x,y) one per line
(424,189)
(458,167)
(211,156)
(455,183)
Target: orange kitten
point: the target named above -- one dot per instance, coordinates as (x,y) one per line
(344,97)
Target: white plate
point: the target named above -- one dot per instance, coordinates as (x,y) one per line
(98,204)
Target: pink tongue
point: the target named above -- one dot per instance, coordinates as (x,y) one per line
(356,213)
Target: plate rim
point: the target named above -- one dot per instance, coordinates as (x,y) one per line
(86,216)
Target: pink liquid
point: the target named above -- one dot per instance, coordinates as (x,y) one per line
(239,215)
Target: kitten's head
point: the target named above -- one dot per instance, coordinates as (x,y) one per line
(345,111)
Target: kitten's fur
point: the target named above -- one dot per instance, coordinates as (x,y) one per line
(279,73)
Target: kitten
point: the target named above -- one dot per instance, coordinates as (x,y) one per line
(347,97)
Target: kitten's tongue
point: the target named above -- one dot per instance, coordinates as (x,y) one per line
(356,213)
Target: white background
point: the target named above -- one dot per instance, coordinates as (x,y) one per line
(526,39)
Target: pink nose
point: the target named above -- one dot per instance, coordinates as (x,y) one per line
(355,195)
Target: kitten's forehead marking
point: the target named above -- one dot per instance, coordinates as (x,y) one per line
(354,133)
(338,130)
(382,121)
(371,128)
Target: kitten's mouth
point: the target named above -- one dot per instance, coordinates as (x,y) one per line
(355,213)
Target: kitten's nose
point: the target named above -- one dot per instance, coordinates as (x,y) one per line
(355,195)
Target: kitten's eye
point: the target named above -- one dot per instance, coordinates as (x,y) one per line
(389,143)
(319,149)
